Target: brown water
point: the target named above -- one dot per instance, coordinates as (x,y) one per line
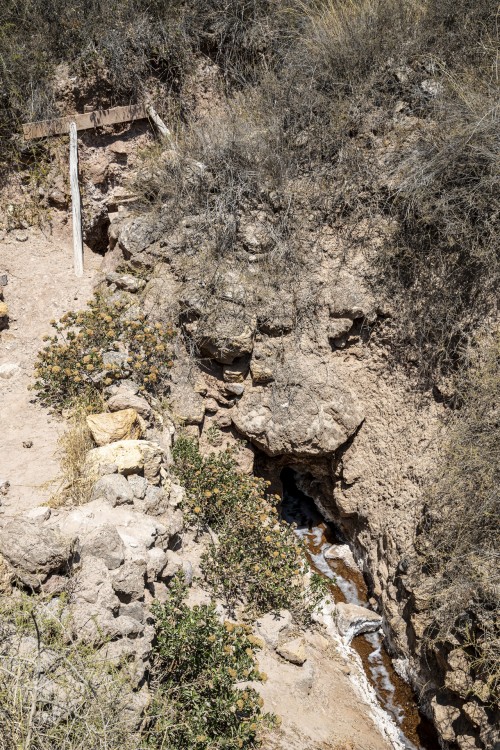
(348,585)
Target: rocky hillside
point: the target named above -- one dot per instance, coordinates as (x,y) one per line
(302,276)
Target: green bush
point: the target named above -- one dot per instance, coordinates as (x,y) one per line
(198,661)
(257,559)
(70,368)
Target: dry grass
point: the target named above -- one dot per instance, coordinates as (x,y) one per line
(55,692)
(460,537)
(76,483)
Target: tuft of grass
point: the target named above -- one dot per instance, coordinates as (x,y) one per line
(76,483)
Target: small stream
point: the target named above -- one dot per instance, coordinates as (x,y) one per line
(348,585)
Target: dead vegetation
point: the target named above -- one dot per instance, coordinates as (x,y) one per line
(459,539)
(75,482)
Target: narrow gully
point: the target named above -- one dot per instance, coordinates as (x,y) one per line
(347,585)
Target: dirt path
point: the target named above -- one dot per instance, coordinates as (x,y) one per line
(41,286)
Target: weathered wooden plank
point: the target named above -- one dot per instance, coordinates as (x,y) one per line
(85,121)
(162,128)
(75,200)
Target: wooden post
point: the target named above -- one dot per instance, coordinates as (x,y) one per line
(75,200)
(162,128)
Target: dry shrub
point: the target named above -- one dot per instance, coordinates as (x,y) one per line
(54,691)
(345,39)
(443,266)
(459,537)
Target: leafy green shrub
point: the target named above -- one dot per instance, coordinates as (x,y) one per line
(54,691)
(459,535)
(198,661)
(257,558)
(98,346)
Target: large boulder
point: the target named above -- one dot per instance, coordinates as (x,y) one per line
(307,411)
(111,427)
(34,551)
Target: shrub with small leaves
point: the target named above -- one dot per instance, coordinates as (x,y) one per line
(258,559)
(99,346)
(198,662)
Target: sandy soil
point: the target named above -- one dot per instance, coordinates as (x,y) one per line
(41,286)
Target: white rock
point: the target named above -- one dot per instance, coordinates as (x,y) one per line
(353,620)
(293,651)
(9,370)
(341,552)
(40,513)
(270,626)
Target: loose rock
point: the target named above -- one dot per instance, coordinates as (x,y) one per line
(120,425)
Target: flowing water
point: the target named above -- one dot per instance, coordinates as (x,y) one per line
(348,585)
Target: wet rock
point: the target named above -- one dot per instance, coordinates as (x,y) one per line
(104,543)
(353,620)
(341,552)
(271,626)
(114,489)
(111,427)
(34,551)
(293,651)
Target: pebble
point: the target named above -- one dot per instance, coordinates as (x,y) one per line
(8,370)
